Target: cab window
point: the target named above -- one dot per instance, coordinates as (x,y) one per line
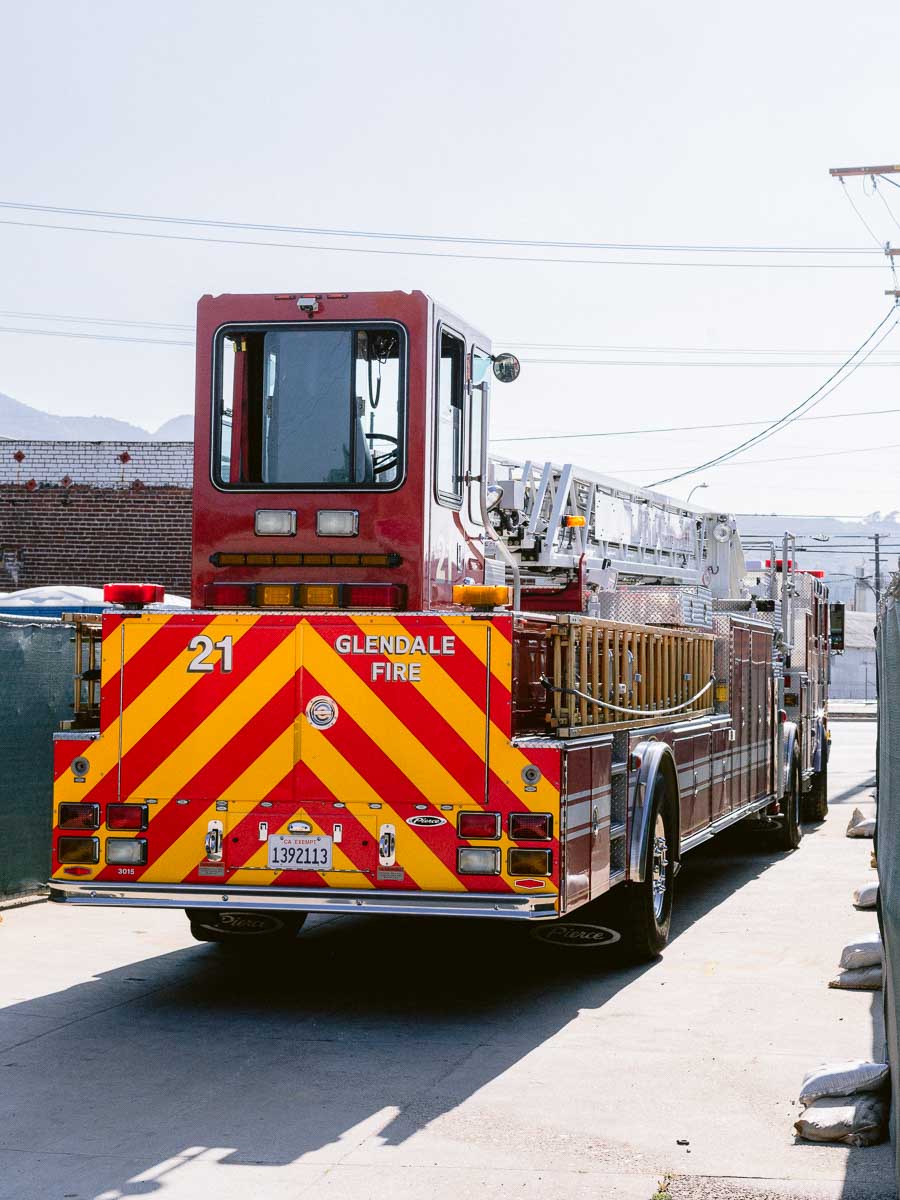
(449,412)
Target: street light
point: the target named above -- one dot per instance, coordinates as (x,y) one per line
(695,488)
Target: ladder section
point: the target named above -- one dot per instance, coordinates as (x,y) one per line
(556,518)
(638,673)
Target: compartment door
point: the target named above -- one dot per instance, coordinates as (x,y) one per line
(394,711)
(208,708)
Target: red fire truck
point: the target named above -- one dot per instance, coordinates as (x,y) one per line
(414,678)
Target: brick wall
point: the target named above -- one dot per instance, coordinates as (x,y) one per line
(91,512)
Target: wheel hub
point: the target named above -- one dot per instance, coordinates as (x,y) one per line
(660,867)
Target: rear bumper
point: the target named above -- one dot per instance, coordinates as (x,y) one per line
(427,904)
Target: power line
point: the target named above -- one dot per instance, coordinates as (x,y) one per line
(454,239)
(623,362)
(753,462)
(94,337)
(561,362)
(36,316)
(556,437)
(572,262)
(810,402)
(868,227)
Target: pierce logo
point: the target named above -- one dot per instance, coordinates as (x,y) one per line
(425,821)
(580,937)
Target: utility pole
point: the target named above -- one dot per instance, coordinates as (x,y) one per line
(877,574)
(874,172)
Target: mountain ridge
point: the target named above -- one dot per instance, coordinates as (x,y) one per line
(21,421)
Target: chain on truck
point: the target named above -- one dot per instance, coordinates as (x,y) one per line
(415,678)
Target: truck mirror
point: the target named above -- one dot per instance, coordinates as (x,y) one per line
(506,368)
(836,626)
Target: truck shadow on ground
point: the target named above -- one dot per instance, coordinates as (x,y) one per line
(367,1028)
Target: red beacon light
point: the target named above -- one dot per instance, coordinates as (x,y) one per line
(134,595)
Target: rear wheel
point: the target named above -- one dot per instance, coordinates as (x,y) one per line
(791,830)
(646,907)
(244,929)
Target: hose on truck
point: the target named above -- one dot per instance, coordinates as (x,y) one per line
(634,712)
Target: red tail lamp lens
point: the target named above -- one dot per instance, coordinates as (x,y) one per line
(478,825)
(373,595)
(530,827)
(126,816)
(229,595)
(134,593)
(79,816)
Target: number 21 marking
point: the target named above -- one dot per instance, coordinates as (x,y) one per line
(204,647)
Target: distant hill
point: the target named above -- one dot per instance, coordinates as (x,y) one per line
(19,420)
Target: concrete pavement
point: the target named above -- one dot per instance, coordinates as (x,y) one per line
(410,1058)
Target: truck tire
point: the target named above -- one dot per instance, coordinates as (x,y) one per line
(817,800)
(791,831)
(645,909)
(246,930)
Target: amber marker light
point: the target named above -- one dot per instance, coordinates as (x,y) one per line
(275,595)
(575,522)
(478,596)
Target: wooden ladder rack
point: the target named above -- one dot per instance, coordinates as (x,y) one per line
(642,667)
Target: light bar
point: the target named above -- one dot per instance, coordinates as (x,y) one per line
(241,558)
(306,595)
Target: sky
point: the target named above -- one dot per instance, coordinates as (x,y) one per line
(689,124)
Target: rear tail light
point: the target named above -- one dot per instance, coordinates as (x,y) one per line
(530,827)
(78,849)
(530,862)
(134,593)
(229,595)
(126,816)
(478,860)
(306,595)
(79,816)
(373,595)
(478,825)
(132,851)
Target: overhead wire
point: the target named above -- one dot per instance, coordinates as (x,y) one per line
(455,239)
(574,262)
(555,437)
(754,462)
(837,378)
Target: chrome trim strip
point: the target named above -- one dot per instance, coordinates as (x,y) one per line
(433,904)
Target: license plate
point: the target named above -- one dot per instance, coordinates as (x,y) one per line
(290,853)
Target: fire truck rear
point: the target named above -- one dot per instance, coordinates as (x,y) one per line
(413,678)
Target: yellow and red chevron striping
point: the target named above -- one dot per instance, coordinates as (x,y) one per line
(424,746)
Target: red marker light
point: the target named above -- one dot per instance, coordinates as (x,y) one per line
(478,825)
(134,594)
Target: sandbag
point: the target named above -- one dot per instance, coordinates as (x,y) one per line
(852,1120)
(860,826)
(864,952)
(843,1079)
(866,896)
(860,979)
